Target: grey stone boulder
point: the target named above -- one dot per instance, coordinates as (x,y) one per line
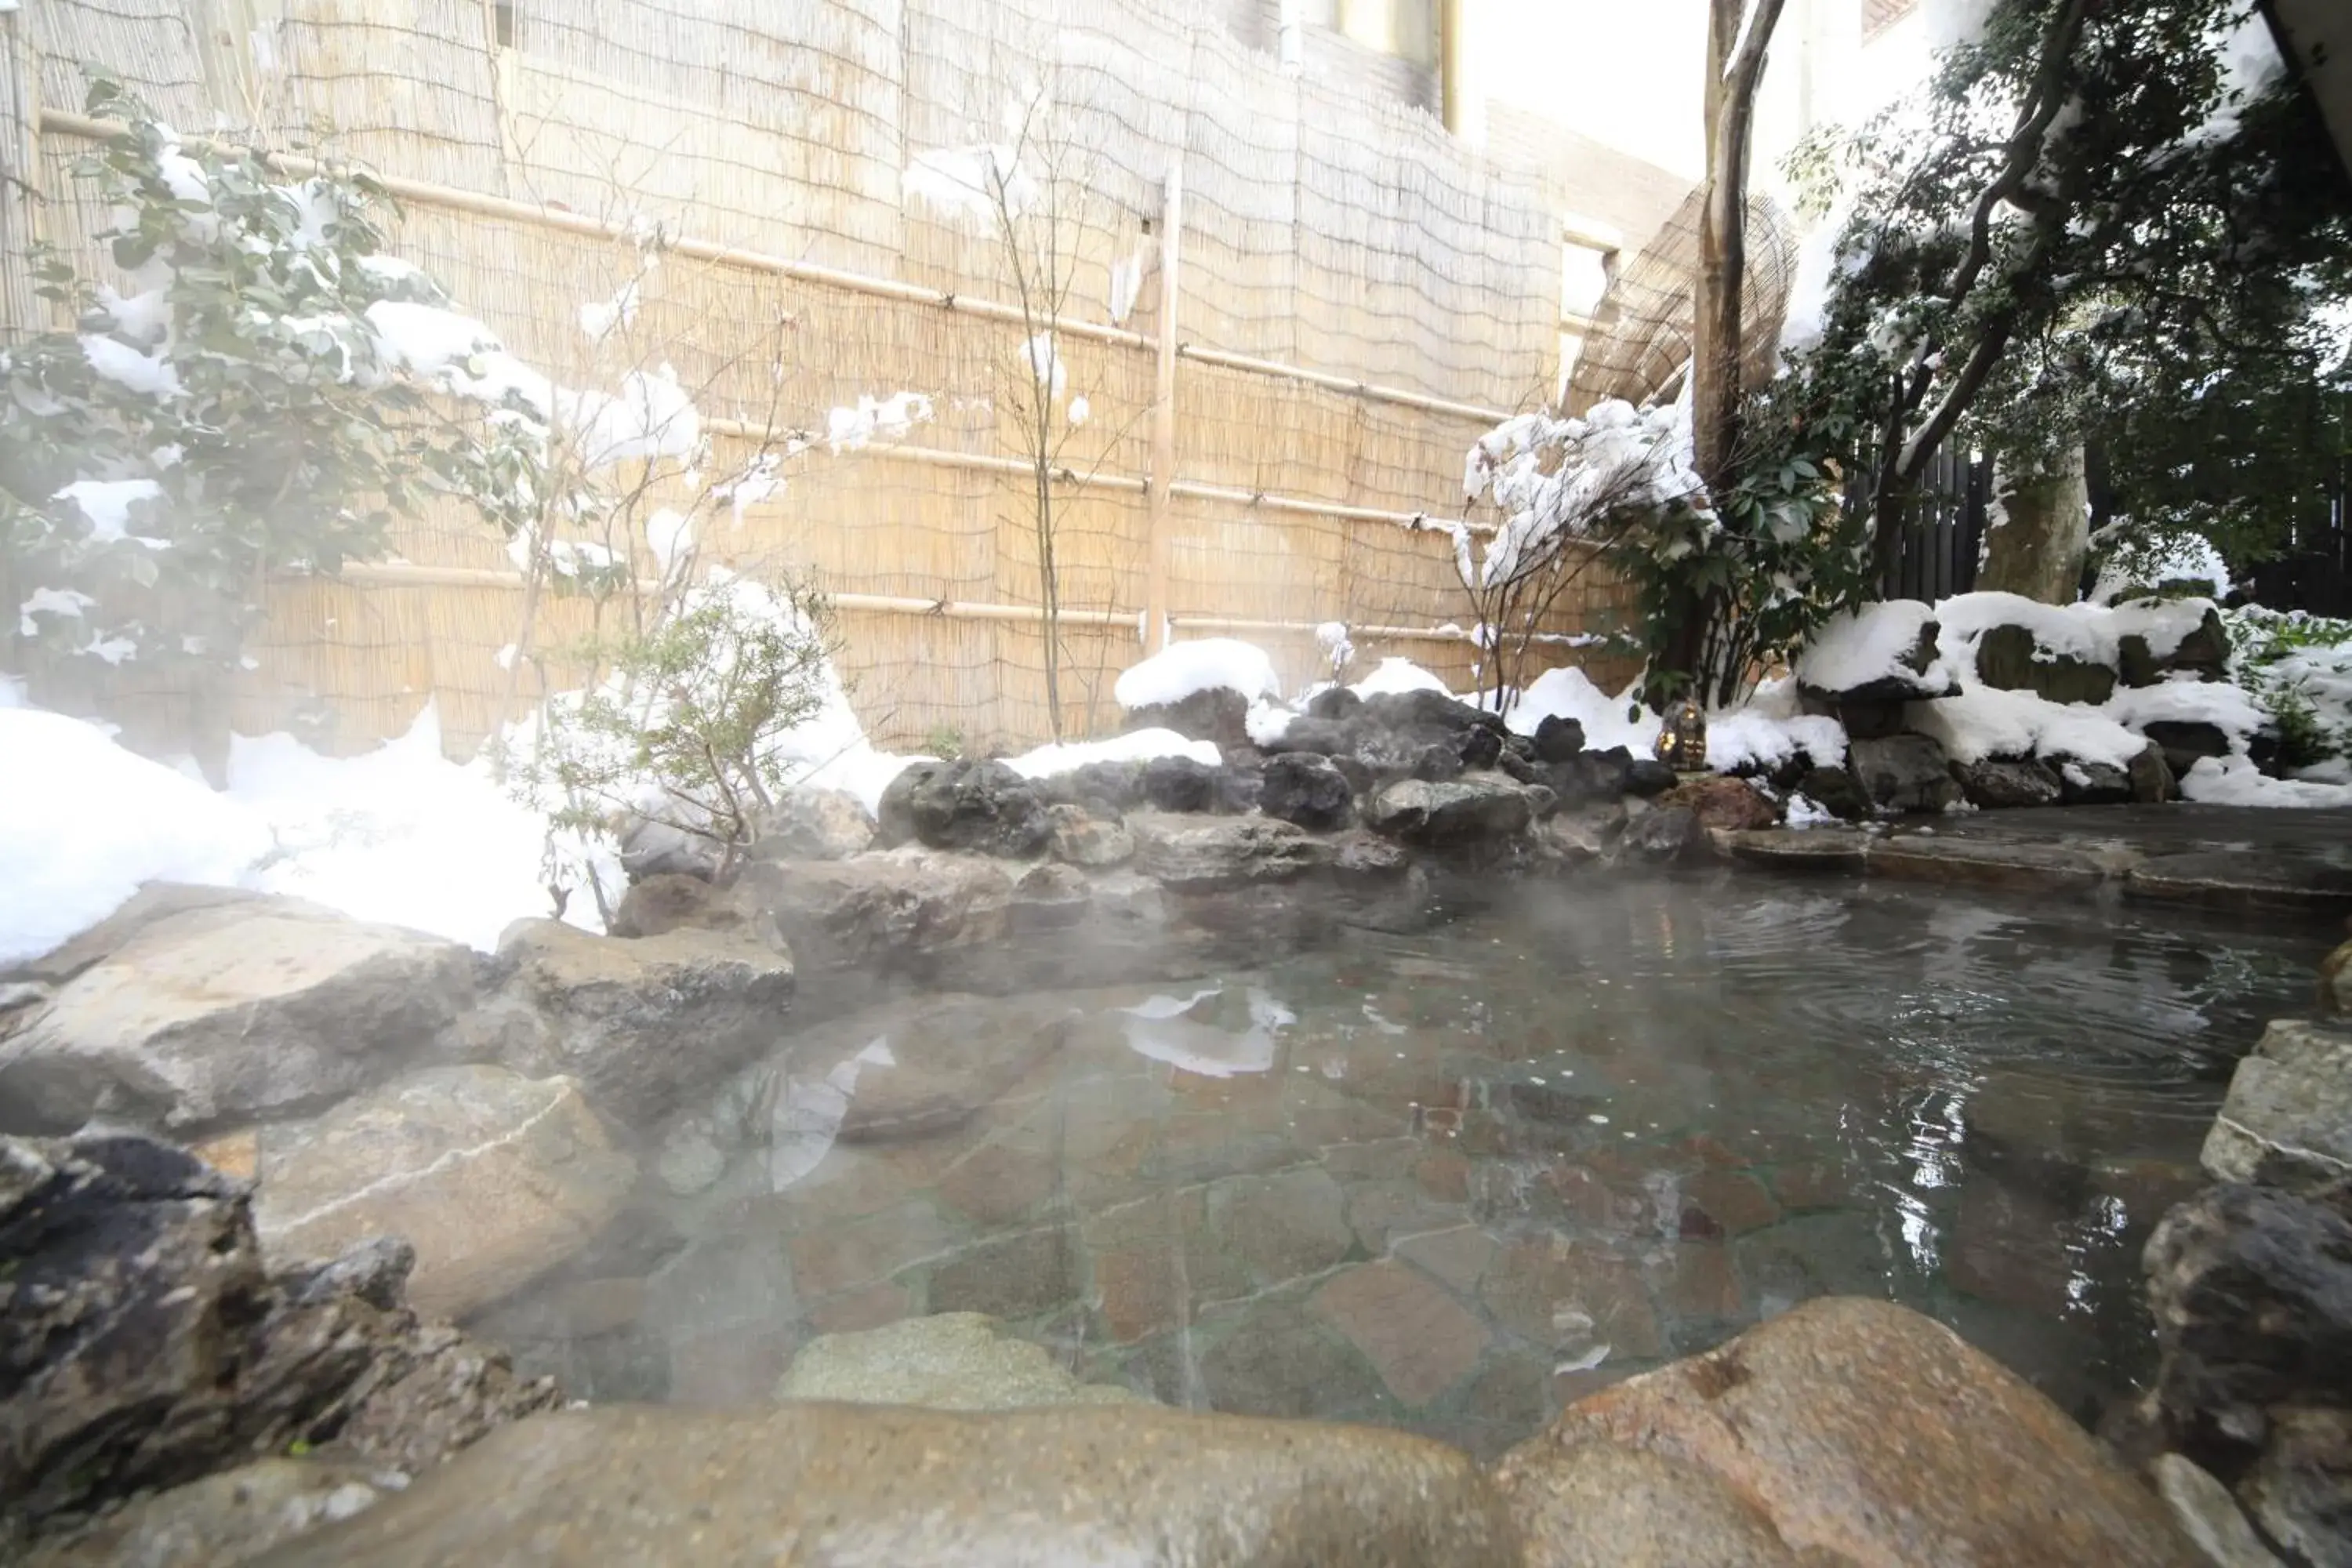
(1904,774)
(926,1489)
(1335,702)
(1324,737)
(145,1345)
(982,806)
(1649,778)
(1863,1432)
(230,1518)
(229,1012)
(2287,1120)
(1189,854)
(672,901)
(1217,714)
(641,1022)
(950,1361)
(881,913)
(2335,983)
(2154,780)
(2183,742)
(2010,659)
(1598,1505)
(1389,754)
(2300,1490)
(1995,782)
(1476,809)
(2208,1514)
(2252,1291)
(2091,784)
(1107,789)
(1666,835)
(2204,652)
(814,825)
(1309,790)
(1425,709)
(493,1178)
(1084,837)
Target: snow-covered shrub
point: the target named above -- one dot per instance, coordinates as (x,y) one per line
(694,727)
(1723,580)
(235,410)
(2298,669)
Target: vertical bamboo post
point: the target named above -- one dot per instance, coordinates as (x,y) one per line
(1163,407)
(21,312)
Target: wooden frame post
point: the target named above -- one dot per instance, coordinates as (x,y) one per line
(23,313)
(1163,408)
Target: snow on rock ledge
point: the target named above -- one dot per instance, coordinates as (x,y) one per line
(1879,652)
(1184,669)
(83,822)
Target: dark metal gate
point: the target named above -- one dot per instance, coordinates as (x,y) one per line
(1944,531)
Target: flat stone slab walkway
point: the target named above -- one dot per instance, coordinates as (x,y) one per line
(2242,859)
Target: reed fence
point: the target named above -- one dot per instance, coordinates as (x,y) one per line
(1336,298)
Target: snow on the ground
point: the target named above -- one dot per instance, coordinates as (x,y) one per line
(1181,669)
(84,821)
(1568,692)
(1394,675)
(1765,735)
(2235,781)
(1856,648)
(1137,746)
(403,835)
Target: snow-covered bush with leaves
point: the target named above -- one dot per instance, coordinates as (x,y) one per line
(233,410)
(2298,669)
(1761,564)
(700,723)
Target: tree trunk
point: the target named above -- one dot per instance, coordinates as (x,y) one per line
(2041,533)
(1722,249)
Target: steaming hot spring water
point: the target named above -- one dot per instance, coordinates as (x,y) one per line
(1452,1182)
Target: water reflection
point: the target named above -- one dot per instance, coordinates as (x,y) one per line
(1450,1182)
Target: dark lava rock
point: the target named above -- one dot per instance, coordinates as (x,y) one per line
(1352,769)
(1334,702)
(1592,775)
(1392,755)
(2009,658)
(1178,784)
(1238,788)
(1309,790)
(1864,719)
(1666,834)
(814,825)
(1647,776)
(1517,767)
(1426,710)
(1480,748)
(1836,791)
(1219,713)
(2092,784)
(2251,1289)
(2182,742)
(981,806)
(1325,737)
(1994,783)
(143,1344)
(1904,773)
(1558,740)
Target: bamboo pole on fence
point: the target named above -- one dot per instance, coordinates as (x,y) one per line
(1163,408)
(431,195)
(405,574)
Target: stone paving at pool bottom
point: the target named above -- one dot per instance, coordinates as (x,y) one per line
(2241,860)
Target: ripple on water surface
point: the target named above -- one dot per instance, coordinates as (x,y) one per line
(1455,1181)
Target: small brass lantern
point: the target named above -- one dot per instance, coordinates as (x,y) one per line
(1682,738)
